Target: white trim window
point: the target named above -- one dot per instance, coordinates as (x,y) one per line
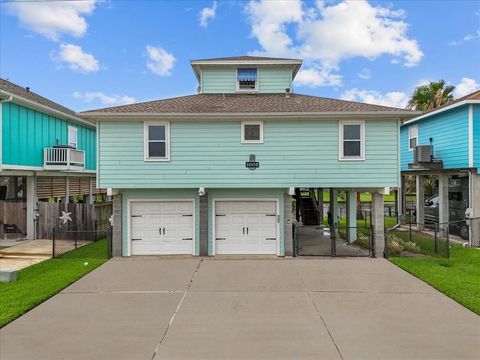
(247,79)
(352,140)
(72,136)
(157,141)
(412,137)
(252,132)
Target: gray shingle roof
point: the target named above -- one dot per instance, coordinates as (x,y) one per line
(246,58)
(18,90)
(246,103)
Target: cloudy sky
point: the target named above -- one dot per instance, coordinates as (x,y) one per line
(91,54)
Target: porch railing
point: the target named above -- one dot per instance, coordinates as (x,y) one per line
(63,158)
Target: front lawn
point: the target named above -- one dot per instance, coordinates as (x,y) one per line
(37,283)
(457,277)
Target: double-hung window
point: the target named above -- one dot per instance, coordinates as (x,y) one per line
(72,137)
(157,141)
(252,132)
(412,137)
(352,140)
(247,79)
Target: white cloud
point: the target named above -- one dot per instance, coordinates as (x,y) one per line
(317,77)
(325,35)
(103,98)
(76,59)
(206,14)
(466,38)
(365,74)
(160,62)
(395,98)
(465,87)
(53,18)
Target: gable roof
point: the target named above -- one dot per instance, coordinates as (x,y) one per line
(28,98)
(472,98)
(246,60)
(246,104)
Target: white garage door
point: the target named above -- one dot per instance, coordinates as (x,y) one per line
(162,227)
(246,227)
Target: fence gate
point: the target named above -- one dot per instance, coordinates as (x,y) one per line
(325,241)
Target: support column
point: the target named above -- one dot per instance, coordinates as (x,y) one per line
(351,216)
(475,206)
(378,225)
(334,209)
(203,251)
(67,192)
(31,201)
(90,197)
(420,199)
(443,207)
(287,231)
(117,226)
(320,203)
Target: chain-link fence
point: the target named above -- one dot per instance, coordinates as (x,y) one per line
(90,239)
(418,239)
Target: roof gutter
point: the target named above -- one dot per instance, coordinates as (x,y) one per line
(104,116)
(445,108)
(22,101)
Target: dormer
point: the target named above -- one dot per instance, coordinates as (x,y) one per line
(245,74)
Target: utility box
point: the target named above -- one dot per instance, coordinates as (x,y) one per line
(423,153)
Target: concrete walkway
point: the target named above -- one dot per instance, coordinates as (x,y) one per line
(245,309)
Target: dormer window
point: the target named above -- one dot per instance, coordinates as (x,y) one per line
(247,79)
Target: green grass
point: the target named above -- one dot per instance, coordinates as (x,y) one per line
(457,277)
(37,283)
(425,242)
(364,197)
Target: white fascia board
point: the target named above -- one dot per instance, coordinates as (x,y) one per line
(46,109)
(197,64)
(380,115)
(446,108)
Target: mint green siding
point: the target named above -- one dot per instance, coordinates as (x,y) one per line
(158,194)
(209,153)
(26,132)
(219,194)
(223,79)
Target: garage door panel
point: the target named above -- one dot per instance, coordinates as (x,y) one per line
(162,228)
(245,227)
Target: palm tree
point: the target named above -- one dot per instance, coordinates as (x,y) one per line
(430,96)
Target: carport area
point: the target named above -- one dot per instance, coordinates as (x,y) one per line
(184,308)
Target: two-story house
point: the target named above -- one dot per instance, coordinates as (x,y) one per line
(214,173)
(47,153)
(445,143)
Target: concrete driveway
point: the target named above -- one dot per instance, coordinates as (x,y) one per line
(245,309)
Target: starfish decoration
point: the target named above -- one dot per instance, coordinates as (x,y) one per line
(65,217)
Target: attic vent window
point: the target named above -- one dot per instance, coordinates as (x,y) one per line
(247,79)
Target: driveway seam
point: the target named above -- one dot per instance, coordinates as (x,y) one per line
(318,312)
(176,310)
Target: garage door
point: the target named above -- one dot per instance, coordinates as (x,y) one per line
(162,227)
(245,227)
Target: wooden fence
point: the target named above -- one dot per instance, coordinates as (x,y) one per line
(84,217)
(13,219)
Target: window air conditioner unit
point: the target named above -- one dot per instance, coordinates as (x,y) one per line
(423,153)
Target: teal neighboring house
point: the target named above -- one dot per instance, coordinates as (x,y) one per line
(47,153)
(445,143)
(214,172)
